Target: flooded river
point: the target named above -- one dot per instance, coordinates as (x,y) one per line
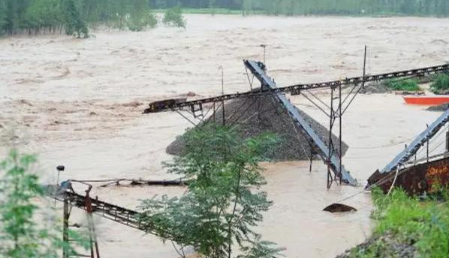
(78,103)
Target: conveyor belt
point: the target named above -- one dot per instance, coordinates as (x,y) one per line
(176,104)
(293,111)
(110,211)
(411,150)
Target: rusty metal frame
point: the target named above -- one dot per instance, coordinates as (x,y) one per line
(417,179)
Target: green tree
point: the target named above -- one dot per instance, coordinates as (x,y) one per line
(224,202)
(140,16)
(20,234)
(73,19)
(3,15)
(212,6)
(43,14)
(174,17)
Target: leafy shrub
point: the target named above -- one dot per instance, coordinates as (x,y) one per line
(174,17)
(74,22)
(142,21)
(402,85)
(405,223)
(224,202)
(440,84)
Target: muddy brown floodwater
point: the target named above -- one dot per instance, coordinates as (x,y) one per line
(79,102)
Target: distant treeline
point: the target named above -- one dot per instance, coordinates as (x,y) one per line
(74,16)
(320,7)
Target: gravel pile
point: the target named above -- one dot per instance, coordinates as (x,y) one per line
(271,118)
(442,107)
(375,88)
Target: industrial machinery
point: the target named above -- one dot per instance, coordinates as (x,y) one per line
(326,150)
(417,176)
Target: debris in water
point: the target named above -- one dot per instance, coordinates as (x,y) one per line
(338,207)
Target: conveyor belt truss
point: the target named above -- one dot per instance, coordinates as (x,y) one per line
(419,142)
(320,145)
(176,104)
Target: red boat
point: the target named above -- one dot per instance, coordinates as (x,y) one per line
(427,100)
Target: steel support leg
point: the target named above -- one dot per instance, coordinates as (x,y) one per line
(340,141)
(215,110)
(224,116)
(65,229)
(330,179)
(447,141)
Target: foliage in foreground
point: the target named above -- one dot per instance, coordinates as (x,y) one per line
(174,17)
(405,222)
(20,235)
(440,84)
(224,202)
(402,85)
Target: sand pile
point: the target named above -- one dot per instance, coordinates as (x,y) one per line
(256,115)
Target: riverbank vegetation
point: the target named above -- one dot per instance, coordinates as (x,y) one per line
(402,85)
(75,16)
(317,7)
(440,84)
(407,227)
(174,17)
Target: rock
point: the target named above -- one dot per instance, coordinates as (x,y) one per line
(338,207)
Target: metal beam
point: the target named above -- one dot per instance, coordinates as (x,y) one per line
(314,138)
(180,103)
(420,141)
(110,211)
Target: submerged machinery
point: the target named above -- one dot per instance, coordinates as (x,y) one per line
(417,176)
(326,150)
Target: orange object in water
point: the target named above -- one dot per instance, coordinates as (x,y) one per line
(426,100)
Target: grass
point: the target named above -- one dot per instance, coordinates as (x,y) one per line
(440,84)
(402,85)
(405,222)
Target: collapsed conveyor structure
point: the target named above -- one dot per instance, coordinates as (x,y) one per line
(113,212)
(323,150)
(178,104)
(326,150)
(417,176)
(109,211)
(418,143)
